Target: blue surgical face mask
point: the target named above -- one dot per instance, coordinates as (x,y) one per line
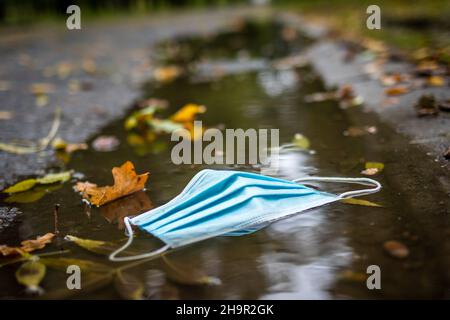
(222,202)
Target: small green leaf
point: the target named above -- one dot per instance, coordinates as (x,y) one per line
(300,141)
(165,126)
(360,202)
(128,286)
(21,186)
(55,177)
(375,165)
(30,275)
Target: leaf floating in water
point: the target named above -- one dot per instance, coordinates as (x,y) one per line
(126,181)
(27,245)
(21,192)
(188,277)
(30,274)
(32,195)
(96,246)
(396,91)
(164,126)
(128,286)
(360,202)
(300,141)
(396,249)
(372,168)
(55,177)
(188,112)
(21,186)
(436,81)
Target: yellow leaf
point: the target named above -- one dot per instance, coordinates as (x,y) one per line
(360,202)
(30,275)
(300,141)
(126,181)
(55,177)
(376,165)
(436,81)
(21,186)
(188,112)
(96,246)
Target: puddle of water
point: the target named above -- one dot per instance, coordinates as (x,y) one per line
(300,257)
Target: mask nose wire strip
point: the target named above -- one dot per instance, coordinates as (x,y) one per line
(376,186)
(129,230)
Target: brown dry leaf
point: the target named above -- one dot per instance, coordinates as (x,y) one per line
(27,245)
(396,91)
(126,181)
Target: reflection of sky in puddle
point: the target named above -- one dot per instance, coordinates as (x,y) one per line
(276,82)
(309,251)
(307,265)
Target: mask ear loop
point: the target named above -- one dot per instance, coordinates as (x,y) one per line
(376,186)
(129,233)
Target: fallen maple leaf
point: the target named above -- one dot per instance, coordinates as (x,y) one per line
(126,181)
(27,245)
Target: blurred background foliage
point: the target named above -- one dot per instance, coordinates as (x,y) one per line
(407,24)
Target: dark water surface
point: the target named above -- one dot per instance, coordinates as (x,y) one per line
(321,254)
